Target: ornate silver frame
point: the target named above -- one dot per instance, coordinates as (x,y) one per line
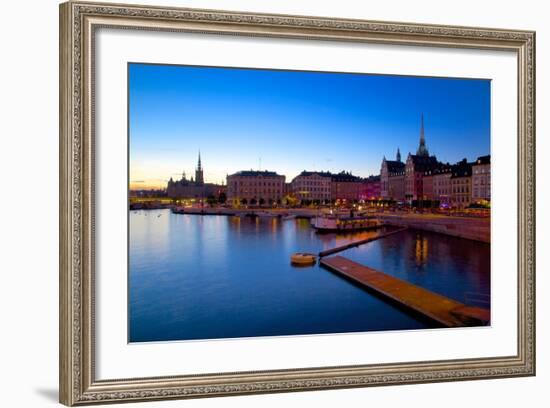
(78,21)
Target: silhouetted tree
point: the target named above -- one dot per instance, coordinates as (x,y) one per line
(211,200)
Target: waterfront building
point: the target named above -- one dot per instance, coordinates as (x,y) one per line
(345,186)
(312,186)
(255,187)
(392,178)
(461,184)
(428,185)
(423,177)
(442,184)
(415,168)
(481,179)
(371,189)
(194,187)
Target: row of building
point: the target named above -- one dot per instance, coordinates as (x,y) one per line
(420,179)
(423,178)
(270,187)
(308,186)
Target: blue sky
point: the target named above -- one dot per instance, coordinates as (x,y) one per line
(292,121)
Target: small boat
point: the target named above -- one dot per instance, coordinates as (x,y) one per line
(303,258)
(178,210)
(289,217)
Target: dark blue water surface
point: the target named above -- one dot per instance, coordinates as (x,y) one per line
(206,277)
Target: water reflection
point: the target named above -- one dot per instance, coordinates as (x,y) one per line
(447,265)
(202,277)
(421,249)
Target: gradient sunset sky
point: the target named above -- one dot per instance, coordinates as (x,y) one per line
(292,121)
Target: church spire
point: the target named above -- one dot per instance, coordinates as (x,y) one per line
(199,174)
(422,150)
(398,155)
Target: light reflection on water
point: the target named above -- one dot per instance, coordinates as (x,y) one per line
(204,277)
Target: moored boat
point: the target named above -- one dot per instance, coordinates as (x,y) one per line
(178,210)
(334,223)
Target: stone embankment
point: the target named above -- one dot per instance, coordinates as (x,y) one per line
(478,229)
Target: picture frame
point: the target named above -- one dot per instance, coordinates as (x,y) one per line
(79,22)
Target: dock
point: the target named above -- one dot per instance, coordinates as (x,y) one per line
(441,309)
(358,242)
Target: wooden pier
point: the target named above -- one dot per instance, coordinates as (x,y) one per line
(358,242)
(441,309)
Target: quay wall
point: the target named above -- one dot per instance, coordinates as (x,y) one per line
(478,229)
(298,212)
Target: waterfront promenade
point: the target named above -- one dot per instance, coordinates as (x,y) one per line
(298,212)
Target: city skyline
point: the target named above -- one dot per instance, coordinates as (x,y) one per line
(290,121)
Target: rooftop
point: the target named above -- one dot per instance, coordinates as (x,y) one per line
(424,163)
(256,173)
(395,166)
(483,160)
(344,176)
(313,173)
(462,169)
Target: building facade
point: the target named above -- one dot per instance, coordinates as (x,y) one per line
(255,187)
(442,185)
(345,186)
(481,179)
(371,189)
(392,178)
(312,186)
(461,185)
(428,186)
(415,169)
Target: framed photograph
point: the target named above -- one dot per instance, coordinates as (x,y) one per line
(256,203)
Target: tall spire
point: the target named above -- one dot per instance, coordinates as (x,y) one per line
(199,174)
(398,155)
(422,150)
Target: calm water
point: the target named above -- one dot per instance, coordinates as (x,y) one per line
(205,277)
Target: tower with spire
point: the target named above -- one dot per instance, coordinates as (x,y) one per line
(199,176)
(422,149)
(398,155)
